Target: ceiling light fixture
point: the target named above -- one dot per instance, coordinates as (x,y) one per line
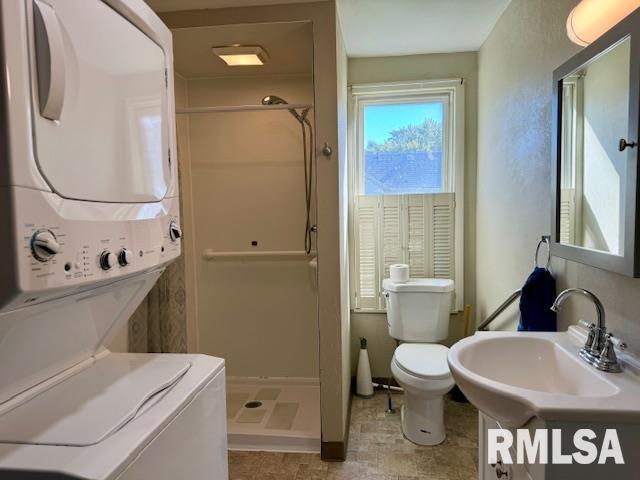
(241,55)
(591,18)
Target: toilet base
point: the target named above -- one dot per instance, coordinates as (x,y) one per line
(423,419)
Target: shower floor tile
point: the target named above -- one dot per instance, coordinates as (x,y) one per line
(268,394)
(235,401)
(251,416)
(283,416)
(289,419)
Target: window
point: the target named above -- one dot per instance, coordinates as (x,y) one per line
(403,147)
(406,188)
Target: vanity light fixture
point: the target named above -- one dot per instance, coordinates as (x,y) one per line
(241,55)
(591,18)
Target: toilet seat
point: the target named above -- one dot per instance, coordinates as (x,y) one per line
(427,361)
(421,369)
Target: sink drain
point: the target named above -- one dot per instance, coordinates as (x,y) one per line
(253,405)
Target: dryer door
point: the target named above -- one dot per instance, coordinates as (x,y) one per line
(100,104)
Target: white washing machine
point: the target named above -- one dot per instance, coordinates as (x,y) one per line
(90,219)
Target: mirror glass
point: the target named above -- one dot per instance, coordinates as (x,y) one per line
(595,114)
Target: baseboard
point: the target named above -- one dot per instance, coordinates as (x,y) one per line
(337,451)
(333,451)
(379,380)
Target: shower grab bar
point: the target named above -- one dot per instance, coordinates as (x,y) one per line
(503,306)
(244,108)
(210,255)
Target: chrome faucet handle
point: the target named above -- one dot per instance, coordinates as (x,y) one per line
(598,341)
(616,341)
(585,351)
(608,360)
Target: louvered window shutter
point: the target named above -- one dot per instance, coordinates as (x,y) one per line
(568,216)
(366,242)
(391,233)
(414,229)
(442,235)
(417,245)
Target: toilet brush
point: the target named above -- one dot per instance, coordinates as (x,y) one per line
(364,384)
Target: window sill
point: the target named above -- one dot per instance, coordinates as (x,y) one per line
(368,310)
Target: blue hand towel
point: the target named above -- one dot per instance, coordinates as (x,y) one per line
(538,294)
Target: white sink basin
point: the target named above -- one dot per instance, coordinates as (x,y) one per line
(514,376)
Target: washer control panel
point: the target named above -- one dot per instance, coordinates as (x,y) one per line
(107,260)
(125,257)
(54,253)
(44,245)
(87,244)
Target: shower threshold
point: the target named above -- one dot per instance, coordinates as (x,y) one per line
(273,414)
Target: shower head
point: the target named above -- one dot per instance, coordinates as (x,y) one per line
(275,100)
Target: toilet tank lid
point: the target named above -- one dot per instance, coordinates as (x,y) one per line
(433,285)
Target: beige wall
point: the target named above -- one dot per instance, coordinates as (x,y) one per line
(248,184)
(322,14)
(341,68)
(514,157)
(373,326)
(514,145)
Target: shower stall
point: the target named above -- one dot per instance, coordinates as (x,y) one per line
(246,135)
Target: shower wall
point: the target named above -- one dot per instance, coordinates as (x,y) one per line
(248,186)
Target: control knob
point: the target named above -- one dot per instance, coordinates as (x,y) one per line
(174,231)
(107,260)
(125,257)
(44,245)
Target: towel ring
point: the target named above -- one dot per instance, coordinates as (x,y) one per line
(547,240)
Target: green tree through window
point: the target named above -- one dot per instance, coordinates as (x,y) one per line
(425,137)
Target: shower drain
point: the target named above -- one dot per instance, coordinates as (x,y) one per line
(252,404)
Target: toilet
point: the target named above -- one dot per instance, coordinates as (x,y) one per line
(418,315)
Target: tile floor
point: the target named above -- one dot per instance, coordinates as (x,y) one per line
(377,450)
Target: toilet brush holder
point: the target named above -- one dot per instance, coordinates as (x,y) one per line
(364,383)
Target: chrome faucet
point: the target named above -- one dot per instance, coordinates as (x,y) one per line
(598,349)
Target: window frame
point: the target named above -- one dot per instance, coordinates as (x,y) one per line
(452,90)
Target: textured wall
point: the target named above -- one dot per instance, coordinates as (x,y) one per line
(373,326)
(514,157)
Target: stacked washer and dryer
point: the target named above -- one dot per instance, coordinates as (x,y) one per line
(90,219)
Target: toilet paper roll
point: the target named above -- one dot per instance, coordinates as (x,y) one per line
(399,273)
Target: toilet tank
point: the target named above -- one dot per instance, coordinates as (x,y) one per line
(418,310)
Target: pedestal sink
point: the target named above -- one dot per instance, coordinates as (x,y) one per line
(515,376)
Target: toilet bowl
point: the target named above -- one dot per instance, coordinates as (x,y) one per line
(422,371)
(418,313)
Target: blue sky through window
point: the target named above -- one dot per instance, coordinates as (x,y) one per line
(379,120)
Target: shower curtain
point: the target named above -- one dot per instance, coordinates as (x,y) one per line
(159,323)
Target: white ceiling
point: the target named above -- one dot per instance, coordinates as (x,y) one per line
(376,28)
(289,46)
